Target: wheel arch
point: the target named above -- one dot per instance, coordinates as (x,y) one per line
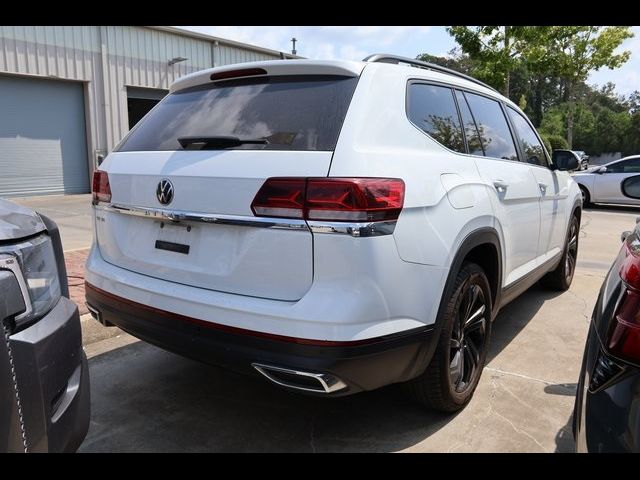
(472,247)
(481,246)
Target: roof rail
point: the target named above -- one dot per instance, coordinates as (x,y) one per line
(396,59)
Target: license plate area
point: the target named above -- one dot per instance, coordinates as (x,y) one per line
(174,237)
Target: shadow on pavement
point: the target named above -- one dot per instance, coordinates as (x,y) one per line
(146,399)
(515,316)
(564,438)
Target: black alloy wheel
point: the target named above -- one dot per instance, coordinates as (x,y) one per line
(571,255)
(453,373)
(468,338)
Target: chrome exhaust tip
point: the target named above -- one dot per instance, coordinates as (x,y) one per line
(298,380)
(95,313)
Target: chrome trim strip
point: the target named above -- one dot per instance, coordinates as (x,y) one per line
(219,219)
(328,383)
(9,262)
(365,229)
(357,229)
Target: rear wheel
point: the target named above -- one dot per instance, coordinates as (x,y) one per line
(562,276)
(451,378)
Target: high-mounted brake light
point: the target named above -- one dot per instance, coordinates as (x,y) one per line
(101,190)
(624,336)
(243,72)
(330,199)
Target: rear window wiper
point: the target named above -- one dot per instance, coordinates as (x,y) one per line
(218,141)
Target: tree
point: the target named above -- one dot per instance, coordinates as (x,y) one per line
(456,61)
(500,51)
(572,52)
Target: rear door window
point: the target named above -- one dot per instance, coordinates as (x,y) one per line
(471,131)
(492,126)
(290,112)
(433,110)
(531,146)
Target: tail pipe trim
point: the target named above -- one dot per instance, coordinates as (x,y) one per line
(296,379)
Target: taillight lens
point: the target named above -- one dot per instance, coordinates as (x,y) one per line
(624,336)
(331,199)
(280,197)
(101,189)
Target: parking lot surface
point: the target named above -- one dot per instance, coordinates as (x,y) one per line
(148,400)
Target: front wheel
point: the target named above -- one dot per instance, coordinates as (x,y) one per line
(451,378)
(586,198)
(561,278)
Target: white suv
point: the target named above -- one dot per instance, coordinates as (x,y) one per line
(335,226)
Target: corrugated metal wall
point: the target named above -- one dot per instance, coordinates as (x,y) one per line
(139,57)
(225,54)
(108,59)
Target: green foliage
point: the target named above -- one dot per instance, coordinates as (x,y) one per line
(544,70)
(572,52)
(495,50)
(545,140)
(557,142)
(522,103)
(553,122)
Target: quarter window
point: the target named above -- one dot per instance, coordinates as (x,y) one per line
(432,109)
(492,127)
(531,147)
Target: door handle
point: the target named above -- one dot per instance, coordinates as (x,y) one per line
(543,187)
(500,185)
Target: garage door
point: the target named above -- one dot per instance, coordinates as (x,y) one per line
(42,137)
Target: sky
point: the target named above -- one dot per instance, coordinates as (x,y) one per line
(356,42)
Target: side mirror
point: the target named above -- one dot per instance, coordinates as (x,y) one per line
(565,160)
(602,170)
(631,187)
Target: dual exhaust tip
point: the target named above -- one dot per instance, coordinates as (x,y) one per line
(299,380)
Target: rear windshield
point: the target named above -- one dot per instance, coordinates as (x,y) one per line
(290,112)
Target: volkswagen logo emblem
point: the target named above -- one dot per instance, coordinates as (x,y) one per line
(164,192)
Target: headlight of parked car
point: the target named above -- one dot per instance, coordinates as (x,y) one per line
(34,265)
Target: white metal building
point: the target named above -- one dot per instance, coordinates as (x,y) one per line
(68,94)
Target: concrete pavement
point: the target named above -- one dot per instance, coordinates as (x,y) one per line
(72,213)
(146,399)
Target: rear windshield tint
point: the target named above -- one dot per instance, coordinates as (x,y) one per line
(291,112)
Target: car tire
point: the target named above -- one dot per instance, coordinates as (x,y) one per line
(586,197)
(560,279)
(452,376)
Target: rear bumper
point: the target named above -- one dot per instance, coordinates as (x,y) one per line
(53,380)
(360,364)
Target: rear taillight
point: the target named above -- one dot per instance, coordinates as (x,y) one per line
(624,336)
(330,199)
(101,189)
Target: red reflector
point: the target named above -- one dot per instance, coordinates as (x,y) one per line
(630,269)
(244,72)
(331,199)
(624,336)
(101,189)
